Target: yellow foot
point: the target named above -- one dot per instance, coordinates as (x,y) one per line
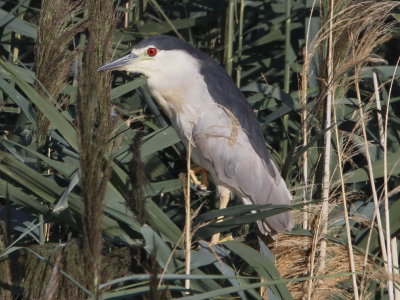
(215,239)
(203,182)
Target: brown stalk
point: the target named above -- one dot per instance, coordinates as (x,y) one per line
(346,214)
(5,264)
(95,126)
(389,245)
(188,219)
(331,93)
(53,57)
(52,285)
(137,180)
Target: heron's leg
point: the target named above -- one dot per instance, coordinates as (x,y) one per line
(225,196)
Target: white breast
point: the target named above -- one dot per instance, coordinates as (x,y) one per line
(180,91)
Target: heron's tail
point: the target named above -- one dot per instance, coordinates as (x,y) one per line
(277,223)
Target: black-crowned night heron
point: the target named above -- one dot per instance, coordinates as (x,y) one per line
(206,107)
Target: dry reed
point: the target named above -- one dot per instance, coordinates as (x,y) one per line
(53,57)
(293,260)
(349,34)
(95,126)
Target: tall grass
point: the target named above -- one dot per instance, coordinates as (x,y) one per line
(95,127)
(53,57)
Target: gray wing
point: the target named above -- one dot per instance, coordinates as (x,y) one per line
(224,91)
(225,150)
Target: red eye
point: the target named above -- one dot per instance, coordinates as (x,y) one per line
(151,51)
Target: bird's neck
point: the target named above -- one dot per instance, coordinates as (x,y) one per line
(178,94)
(182,99)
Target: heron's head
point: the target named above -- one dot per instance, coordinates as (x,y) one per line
(159,55)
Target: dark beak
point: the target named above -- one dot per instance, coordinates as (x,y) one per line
(117,64)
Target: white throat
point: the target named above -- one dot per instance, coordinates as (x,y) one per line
(179,89)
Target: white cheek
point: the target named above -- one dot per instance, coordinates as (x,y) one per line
(139,67)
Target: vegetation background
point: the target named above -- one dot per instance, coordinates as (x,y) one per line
(92,204)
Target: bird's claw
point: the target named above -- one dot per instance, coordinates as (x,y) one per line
(215,239)
(203,182)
